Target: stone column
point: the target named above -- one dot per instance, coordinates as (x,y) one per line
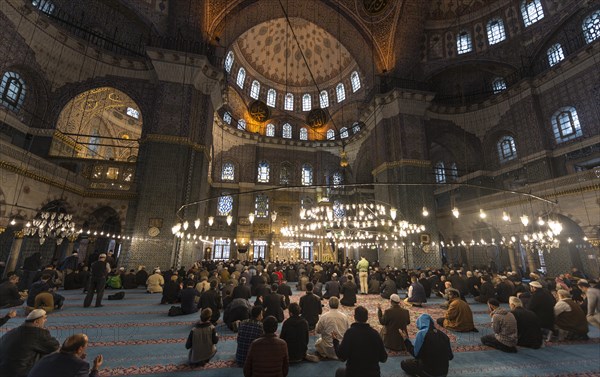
(511,256)
(15,251)
(71,245)
(530,260)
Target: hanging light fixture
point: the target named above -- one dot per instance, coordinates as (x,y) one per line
(274,216)
(525,220)
(455,212)
(505,216)
(186,225)
(211,220)
(229,219)
(482,214)
(541,221)
(393,213)
(251,217)
(425,212)
(197,223)
(175,229)
(343,159)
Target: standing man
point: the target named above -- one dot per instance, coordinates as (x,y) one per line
(98,273)
(361,348)
(394,318)
(363,273)
(22,346)
(69,362)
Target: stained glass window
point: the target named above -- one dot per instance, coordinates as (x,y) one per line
(270,131)
(338,179)
(255,89)
(241,125)
(464,43)
(440,172)
(507,149)
(289,102)
(330,134)
(555,54)
(495,31)
(324,99)
(264,171)
(591,27)
(261,205)
(227,117)
(303,134)
(453,172)
(227,172)
(133,113)
(222,249)
(241,77)
(45,6)
(224,205)
(306,102)
(338,209)
(271,97)
(356,128)
(355,80)
(229,61)
(12,91)
(565,124)
(307,173)
(531,11)
(287,131)
(285,174)
(498,85)
(344,133)
(340,91)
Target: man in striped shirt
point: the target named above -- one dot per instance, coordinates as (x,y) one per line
(248,331)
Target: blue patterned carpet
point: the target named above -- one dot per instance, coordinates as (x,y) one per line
(136,337)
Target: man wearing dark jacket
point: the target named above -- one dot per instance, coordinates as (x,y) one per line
(242,290)
(268,355)
(528,324)
(361,348)
(389,287)
(295,333)
(274,303)
(128,280)
(9,292)
(311,307)
(349,290)
(99,271)
(187,296)
(23,345)
(69,362)
(394,318)
(212,299)
(486,290)
(542,304)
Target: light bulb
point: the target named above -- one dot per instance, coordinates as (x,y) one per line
(251,217)
(541,221)
(186,225)
(482,214)
(13,222)
(569,240)
(505,216)
(425,212)
(197,223)
(455,212)
(229,219)
(393,213)
(211,220)
(525,220)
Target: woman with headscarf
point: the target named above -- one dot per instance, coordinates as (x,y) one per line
(431,351)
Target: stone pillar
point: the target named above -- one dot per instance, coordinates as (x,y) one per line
(530,260)
(71,245)
(15,251)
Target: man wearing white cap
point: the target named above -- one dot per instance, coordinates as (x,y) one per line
(393,319)
(98,273)
(22,346)
(542,304)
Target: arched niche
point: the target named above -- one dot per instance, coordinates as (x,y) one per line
(100,124)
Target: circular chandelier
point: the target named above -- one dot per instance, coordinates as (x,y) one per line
(55,225)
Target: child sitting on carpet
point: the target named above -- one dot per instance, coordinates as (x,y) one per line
(202,340)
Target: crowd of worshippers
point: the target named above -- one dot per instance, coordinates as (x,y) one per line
(539,309)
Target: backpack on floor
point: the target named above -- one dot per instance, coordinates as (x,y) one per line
(117,296)
(175,311)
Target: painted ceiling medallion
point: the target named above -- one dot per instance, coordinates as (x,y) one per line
(259,111)
(316,118)
(375,6)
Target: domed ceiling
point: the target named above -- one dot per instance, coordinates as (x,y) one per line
(268,46)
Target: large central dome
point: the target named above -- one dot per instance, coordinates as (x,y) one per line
(270,46)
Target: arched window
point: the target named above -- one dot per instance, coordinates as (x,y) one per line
(224,205)
(344,133)
(307,175)
(270,130)
(495,31)
(306,102)
(227,172)
(241,125)
(356,128)
(338,179)
(565,124)
(439,172)
(227,117)
(453,172)
(340,92)
(531,11)
(241,77)
(324,99)
(498,85)
(133,113)
(271,97)
(355,80)
(264,171)
(555,54)
(303,134)
(286,132)
(45,6)
(255,89)
(229,61)
(338,209)
(591,27)
(261,205)
(12,89)
(285,173)
(464,43)
(330,134)
(93,144)
(507,149)
(289,102)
